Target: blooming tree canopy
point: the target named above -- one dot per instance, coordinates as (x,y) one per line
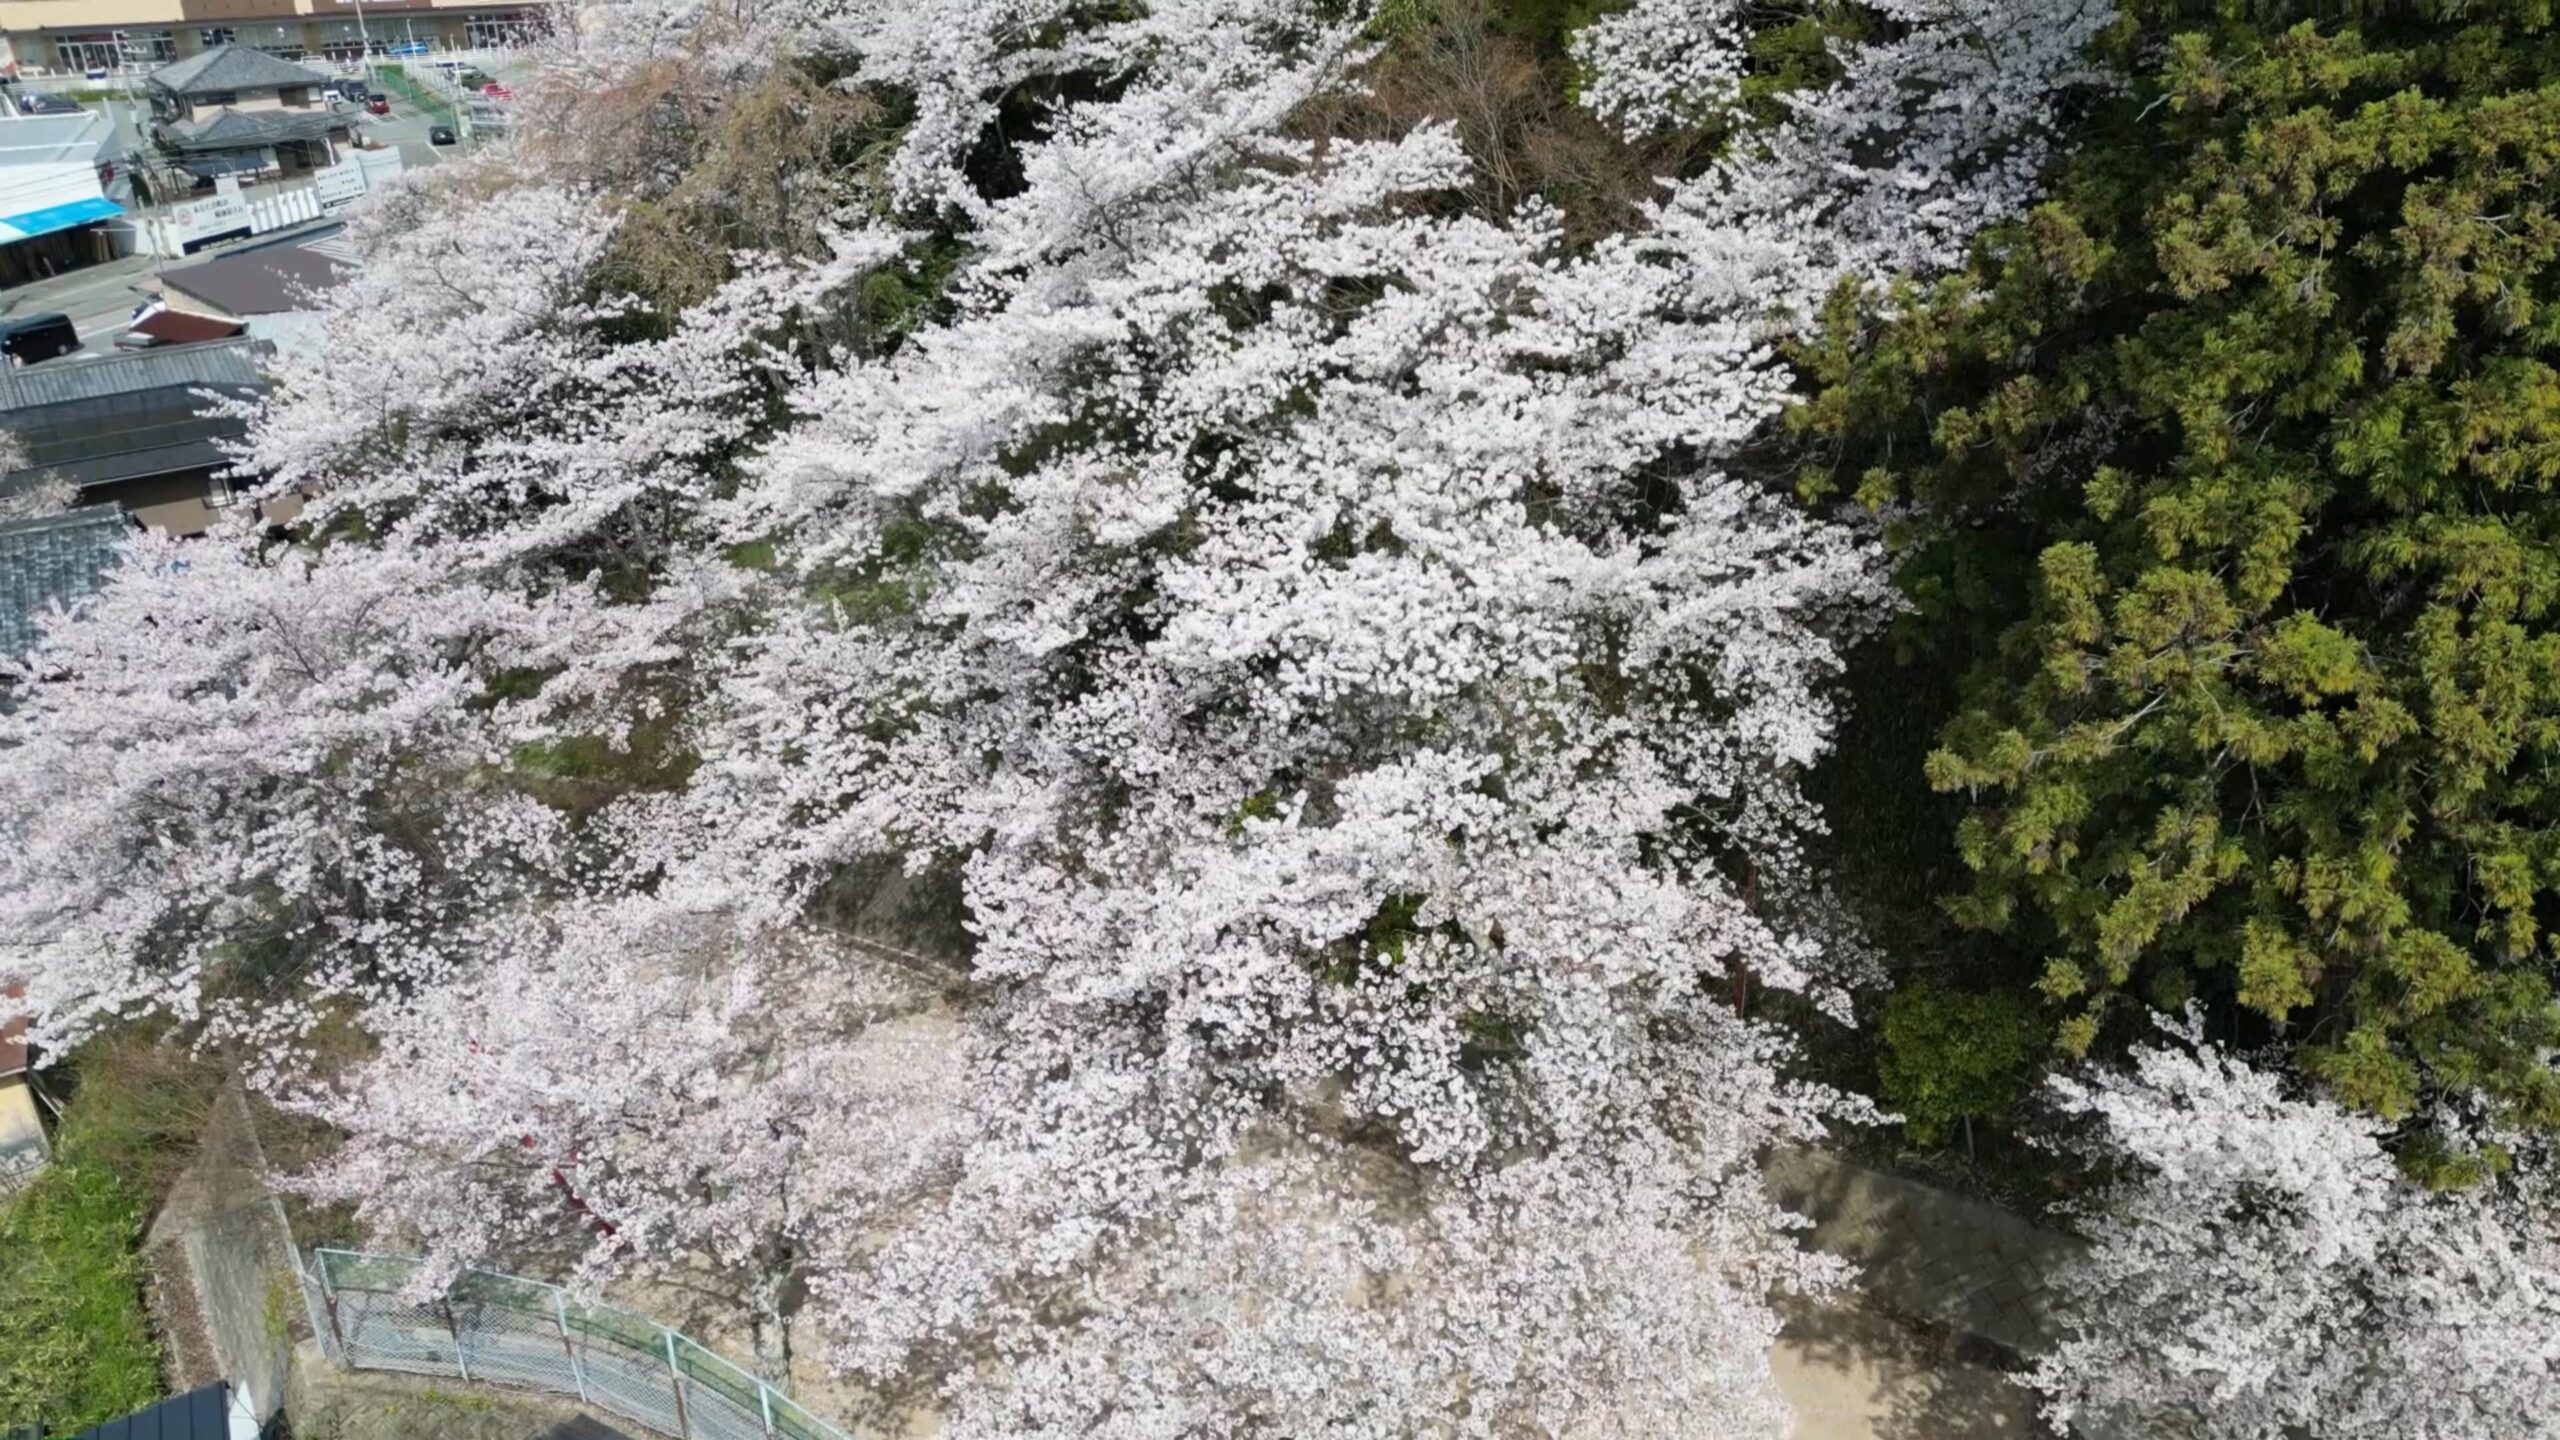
(2263,1269)
(1329,629)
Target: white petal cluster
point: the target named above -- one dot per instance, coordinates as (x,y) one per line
(1325,630)
(2263,1270)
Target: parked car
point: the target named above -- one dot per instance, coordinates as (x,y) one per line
(474,80)
(440,135)
(32,339)
(40,102)
(377,105)
(496,91)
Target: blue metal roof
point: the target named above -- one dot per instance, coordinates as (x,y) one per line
(32,223)
(197,1415)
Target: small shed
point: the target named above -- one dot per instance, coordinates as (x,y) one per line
(23,1149)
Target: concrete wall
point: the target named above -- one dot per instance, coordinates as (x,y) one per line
(22,1143)
(227,1228)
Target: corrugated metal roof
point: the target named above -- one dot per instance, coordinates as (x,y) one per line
(52,559)
(59,382)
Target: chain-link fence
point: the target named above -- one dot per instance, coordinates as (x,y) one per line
(506,1331)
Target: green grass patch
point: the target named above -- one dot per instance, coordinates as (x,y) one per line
(76,1346)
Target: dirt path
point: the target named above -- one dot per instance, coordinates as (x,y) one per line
(1852,1374)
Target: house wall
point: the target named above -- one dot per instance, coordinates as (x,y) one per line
(184,504)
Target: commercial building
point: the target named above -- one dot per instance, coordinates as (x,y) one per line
(56,174)
(75,37)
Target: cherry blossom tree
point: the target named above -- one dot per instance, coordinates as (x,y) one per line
(647,1085)
(222,755)
(1328,629)
(2263,1269)
(530,412)
(1368,719)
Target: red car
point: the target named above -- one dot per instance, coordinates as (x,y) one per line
(497,91)
(378,105)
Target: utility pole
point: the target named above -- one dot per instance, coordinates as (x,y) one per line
(364,39)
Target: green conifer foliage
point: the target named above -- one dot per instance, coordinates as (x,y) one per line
(2230,473)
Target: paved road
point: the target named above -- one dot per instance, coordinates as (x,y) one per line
(99,299)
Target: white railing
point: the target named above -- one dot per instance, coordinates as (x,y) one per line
(502,1330)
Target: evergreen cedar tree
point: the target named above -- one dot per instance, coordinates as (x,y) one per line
(2229,472)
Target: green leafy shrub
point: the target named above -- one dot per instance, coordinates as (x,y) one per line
(75,1348)
(1951,1057)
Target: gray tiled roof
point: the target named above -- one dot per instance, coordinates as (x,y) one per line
(232,68)
(59,382)
(228,129)
(54,558)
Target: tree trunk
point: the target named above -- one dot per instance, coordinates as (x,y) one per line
(770,1325)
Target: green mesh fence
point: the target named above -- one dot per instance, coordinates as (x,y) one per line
(506,1330)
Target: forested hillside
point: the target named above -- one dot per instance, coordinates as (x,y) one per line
(1445,620)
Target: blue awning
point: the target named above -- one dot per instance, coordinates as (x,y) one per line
(61,217)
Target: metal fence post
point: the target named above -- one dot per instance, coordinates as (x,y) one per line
(453,1328)
(675,1381)
(329,1302)
(577,1372)
(764,1396)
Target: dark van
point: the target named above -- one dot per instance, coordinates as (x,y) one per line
(29,339)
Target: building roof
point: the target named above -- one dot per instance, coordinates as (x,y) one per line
(60,382)
(232,68)
(84,136)
(197,1415)
(260,282)
(181,327)
(228,129)
(49,560)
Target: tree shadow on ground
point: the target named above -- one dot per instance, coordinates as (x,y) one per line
(1853,1372)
